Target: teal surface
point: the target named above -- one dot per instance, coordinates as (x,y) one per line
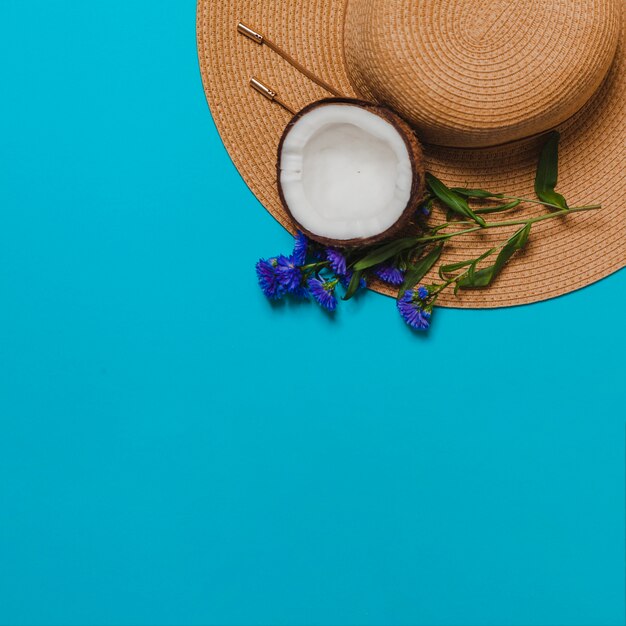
(174,450)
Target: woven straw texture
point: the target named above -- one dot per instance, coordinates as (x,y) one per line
(477,87)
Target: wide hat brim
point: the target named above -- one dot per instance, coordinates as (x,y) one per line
(563,254)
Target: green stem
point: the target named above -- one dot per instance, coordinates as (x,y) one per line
(534,220)
(314,266)
(591,207)
(547,216)
(443,287)
(449,283)
(554,206)
(457,278)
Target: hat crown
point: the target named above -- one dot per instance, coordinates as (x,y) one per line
(473,73)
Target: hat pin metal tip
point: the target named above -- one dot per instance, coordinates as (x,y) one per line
(270,94)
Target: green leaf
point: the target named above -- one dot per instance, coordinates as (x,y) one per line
(446,270)
(452,200)
(472,271)
(475,193)
(479,280)
(484,277)
(453,267)
(500,208)
(417,272)
(384,253)
(354,285)
(548,173)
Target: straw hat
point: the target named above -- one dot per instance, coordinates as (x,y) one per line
(466,74)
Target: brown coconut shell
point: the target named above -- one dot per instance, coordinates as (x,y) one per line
(416,156)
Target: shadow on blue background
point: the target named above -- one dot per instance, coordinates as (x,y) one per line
(173,450)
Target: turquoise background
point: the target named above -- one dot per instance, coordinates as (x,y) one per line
(174,450)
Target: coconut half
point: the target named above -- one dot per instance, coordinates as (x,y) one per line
(350,172)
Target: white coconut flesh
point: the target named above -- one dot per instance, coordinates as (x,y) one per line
(345,172)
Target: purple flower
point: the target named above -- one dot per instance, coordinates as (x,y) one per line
(324,293)
(266,271)
(301,293)
(289,275)
(422,293)
(390,274)
(337,261)
(411,308)
(300,249)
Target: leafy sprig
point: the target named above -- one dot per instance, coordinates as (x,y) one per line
(314,271)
